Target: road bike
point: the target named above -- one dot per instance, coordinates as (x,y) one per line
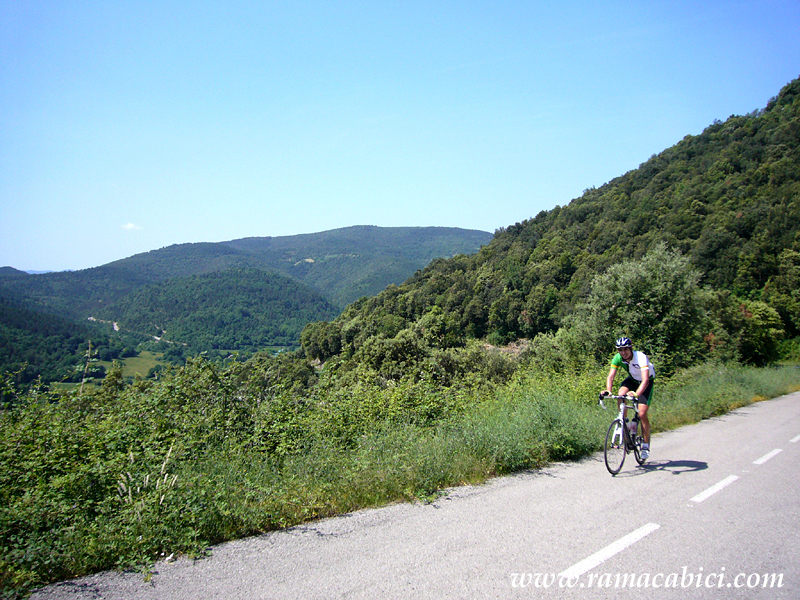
(623,435)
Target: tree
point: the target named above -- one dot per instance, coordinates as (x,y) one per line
(782,291)
(321,340)
(760,331)
(655,300)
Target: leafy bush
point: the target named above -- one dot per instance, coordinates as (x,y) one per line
(655,300)
(120,475)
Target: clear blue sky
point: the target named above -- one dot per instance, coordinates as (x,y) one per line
(130,126)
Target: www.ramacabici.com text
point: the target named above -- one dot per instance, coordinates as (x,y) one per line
(684,579)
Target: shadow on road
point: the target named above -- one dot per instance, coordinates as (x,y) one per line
(676,467)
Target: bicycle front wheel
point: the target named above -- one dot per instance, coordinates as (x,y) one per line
(615,447)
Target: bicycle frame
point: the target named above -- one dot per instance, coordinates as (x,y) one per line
(634,405)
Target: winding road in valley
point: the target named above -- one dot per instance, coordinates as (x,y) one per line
(715,513)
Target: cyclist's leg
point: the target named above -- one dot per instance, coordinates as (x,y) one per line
(627,385)
(644,406)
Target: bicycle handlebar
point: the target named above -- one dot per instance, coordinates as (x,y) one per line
(635,399)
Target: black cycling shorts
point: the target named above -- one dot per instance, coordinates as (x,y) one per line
(633,385)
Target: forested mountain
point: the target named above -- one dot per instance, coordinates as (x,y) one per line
(720,211)
(346,264)
(236,310)
(341,264)
(239,295)
(727,201)
(242,309)
(35,344)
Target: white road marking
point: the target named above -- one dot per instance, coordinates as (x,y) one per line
(795,439)
(714,489)
(587,564)
(767,456)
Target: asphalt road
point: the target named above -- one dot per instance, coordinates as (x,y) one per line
(715,513)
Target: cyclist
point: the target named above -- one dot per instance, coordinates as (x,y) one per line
(639,383)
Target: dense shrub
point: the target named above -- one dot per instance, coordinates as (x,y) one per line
(120,475)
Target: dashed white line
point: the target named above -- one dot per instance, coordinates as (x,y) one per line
(587,564)
(767,456)
(714,489)
(603,555)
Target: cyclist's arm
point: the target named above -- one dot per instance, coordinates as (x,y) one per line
(610,379)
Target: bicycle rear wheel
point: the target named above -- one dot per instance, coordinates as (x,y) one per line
(615,447)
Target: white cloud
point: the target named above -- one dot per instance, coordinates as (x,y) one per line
(130,226)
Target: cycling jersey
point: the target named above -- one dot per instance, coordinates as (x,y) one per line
(638,362)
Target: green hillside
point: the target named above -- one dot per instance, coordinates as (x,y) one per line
(727,200)
(342,265)
(242,295)
(346,264)
(242,309)
(34,344)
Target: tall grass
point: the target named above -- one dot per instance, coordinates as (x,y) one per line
(709,390)
(118,483)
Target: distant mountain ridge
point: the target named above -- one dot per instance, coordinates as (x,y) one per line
(342,264)
(242,294)
(320,260)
